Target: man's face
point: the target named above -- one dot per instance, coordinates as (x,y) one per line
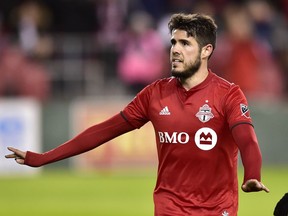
(185,55)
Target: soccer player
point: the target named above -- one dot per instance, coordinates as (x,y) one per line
(200,122)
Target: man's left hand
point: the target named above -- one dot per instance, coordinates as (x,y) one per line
(253,185)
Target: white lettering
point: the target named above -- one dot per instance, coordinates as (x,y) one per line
(171,139)
(186,138)
(161,137)
(165,137)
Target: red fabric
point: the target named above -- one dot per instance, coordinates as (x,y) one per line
(245,137)
(85,141)
(198,134)
(198,156)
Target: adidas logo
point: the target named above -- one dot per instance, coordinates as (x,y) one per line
(165,111)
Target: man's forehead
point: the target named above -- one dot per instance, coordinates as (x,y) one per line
(179,33)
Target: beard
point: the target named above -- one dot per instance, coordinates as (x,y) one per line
(189,71)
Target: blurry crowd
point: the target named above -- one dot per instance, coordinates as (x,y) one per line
(130,40)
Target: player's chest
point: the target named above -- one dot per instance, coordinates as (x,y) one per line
(172,113)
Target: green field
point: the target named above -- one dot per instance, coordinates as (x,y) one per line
(112,194)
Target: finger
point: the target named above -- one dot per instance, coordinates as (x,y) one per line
(10,156)
(264,188)
(19,161)
(17,152)
(12,149)
(246,188)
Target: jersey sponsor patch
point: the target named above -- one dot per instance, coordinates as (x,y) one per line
(204,114)
(205,138)
(245,110)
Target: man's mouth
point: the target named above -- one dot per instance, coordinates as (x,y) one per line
(176,60)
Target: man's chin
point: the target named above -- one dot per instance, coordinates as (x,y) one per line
(182,74)
(178,74)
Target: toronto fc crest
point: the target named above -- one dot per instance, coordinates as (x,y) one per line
(204,114)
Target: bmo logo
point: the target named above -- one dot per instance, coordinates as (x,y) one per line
(175,137)
(205,138)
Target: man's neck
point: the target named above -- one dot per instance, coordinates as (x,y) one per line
(195,79)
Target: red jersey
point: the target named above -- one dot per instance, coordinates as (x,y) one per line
(197,170)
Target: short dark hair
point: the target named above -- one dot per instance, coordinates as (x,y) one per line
(200,26)
(281,208)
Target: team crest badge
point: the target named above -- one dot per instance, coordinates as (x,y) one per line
(204,114)
(244,110)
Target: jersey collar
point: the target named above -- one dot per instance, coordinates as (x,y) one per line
(197,87)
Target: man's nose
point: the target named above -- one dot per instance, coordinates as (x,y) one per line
(175,49)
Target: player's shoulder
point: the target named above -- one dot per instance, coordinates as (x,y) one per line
(158,87)
(163,83)
(223,84)
(227,91)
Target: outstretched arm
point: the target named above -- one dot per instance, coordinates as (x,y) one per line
(85,141)
(245,137)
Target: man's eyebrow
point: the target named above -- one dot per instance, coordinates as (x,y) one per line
(173,41)
(184,40)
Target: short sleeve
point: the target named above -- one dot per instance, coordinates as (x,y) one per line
(236,107)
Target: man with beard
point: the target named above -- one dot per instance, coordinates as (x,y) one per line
(201,121)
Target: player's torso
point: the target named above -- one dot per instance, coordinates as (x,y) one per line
(195,148)
(193,120)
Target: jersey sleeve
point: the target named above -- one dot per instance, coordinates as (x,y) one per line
(246,140)
(137,111)
(236,107)
(89,139)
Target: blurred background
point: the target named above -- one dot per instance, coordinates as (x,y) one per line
(68,64)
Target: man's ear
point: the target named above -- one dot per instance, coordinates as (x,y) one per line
(207,51)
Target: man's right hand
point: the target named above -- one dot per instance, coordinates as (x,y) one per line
(18,155)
